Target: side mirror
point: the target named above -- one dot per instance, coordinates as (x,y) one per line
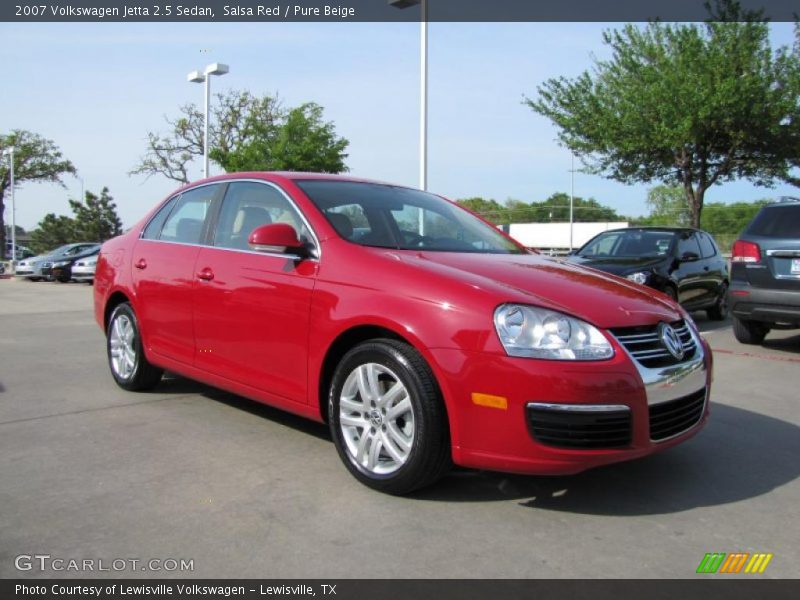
(277,238)
(690,257)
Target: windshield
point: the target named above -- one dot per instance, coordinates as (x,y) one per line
(630,243)
(60,250)
(386,216)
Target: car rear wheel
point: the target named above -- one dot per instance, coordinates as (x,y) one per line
(387,417)
(129,366)
(749,332)
(719,312)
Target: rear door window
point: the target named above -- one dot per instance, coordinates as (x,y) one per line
(186,221)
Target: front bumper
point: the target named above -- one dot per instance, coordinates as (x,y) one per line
(769,306)
(83,273)
(505,439)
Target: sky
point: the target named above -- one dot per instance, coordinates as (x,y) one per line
(96,89)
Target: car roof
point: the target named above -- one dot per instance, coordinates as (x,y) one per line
(652,228)
(277,176)
(789,201)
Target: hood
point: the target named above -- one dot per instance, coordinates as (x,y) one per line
(603,300)
(623,265)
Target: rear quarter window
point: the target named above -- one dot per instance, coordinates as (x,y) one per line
(776,221)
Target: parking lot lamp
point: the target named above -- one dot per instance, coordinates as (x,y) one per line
(10,153)
(423,94)
(205,77)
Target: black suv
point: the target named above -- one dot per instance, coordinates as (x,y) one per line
(683,263)
(765,273)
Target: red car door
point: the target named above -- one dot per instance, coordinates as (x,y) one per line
(163,273)
(251,309)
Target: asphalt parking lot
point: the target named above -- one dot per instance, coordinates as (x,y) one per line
(88,471)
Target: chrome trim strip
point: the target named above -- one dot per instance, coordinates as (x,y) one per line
(589,408)
(784,253)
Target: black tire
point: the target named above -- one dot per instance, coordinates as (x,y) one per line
(749,332)
(428,457)
(143,376)
(719,312)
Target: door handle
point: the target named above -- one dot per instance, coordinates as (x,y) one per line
(140,264)
(206,274)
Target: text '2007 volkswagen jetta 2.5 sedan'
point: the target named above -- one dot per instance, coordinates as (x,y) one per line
(420,333)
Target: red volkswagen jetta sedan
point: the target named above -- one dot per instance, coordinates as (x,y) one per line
(423,335)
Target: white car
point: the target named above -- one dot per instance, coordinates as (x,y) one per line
(83,270)
(39,267)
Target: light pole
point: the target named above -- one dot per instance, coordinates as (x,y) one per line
(10,153)
(423,94)
(205,77)
(571,201)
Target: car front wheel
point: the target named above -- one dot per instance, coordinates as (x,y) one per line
(129,366)
(749,332)
(387,417)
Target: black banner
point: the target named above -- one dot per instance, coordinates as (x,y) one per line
(375,10)
(362,589)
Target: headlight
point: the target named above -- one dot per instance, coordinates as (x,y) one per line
(641,277)
(92,263)
(61,263)
(532,332)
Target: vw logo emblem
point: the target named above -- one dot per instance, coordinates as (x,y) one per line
(671,341)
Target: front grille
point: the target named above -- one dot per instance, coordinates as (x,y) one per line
(644,344)
(668,419)
(578,429)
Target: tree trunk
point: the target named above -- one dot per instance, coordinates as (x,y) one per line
(696,207)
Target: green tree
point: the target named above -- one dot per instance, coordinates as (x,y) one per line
(53,231)
(246,133)
(36,159)
(667,205)
(96,218)
(556,208)
(491,210)
(301,141)
(686,104)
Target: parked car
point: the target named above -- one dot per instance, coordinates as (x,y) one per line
(83,269)
(39,267)
(61,269)
(685,264)
(765,273)
(22,252)
(420,345)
